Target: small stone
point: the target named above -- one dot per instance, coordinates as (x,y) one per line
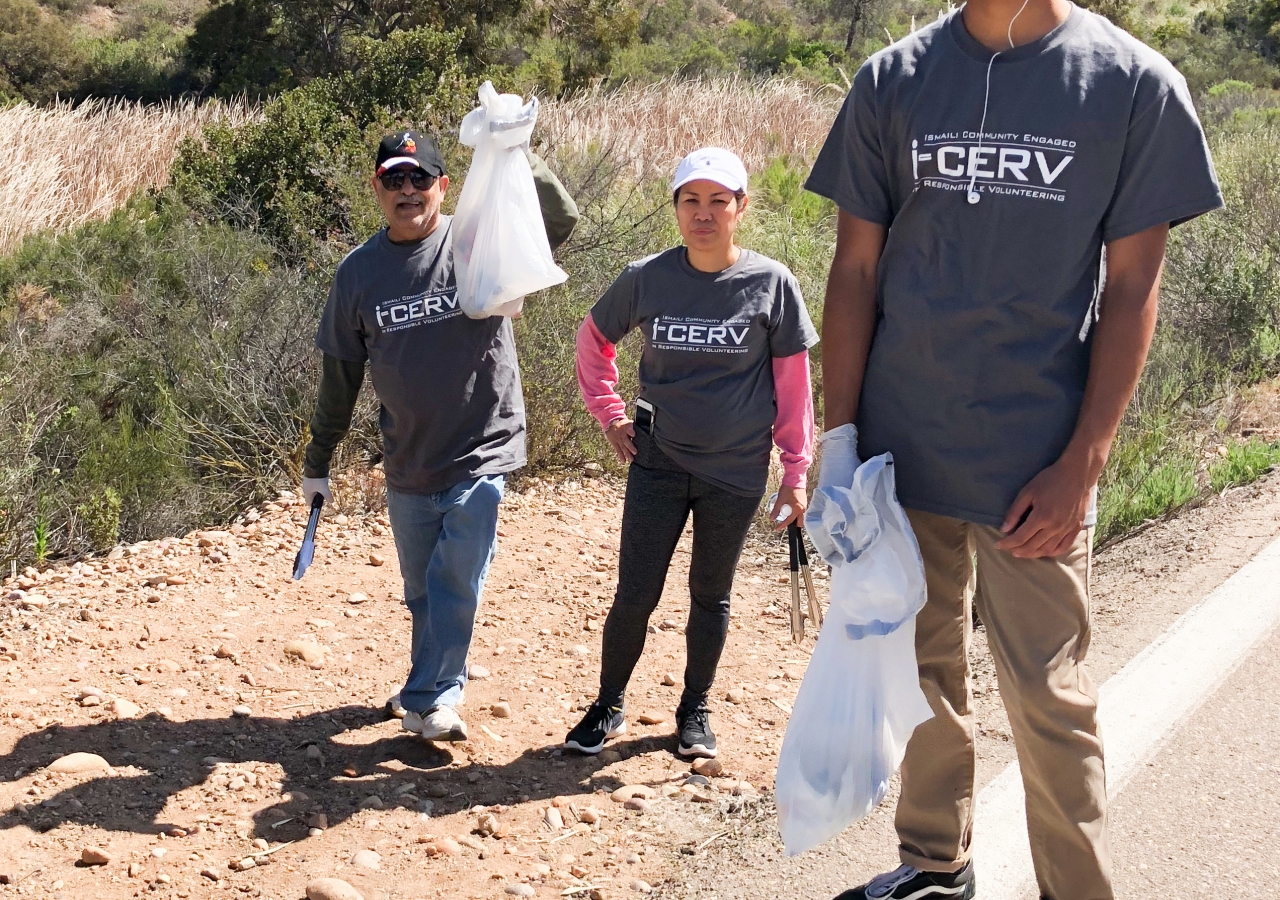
(261,844)
(367,859)
(210,874)
(318,820)
(625,793)
(554,820)
(647,719)
(77,763)
(314,752)
(309,652)
(579,650)
(373,801)
(331,889)
(488,824)
(737,696)
(520,890)
(159,852)
(609,756)
(357,597)
(641,887)
(244,864)
(501,710)
(94,856)
(134,869)
(590,815)
(242,712)
(698,780)
(668,680)
(639,804)
(448,846)
(91,700)
(579,871)
(376,559)
(124,709)
(711,768)
(476,671)
(634,859)
(744,789)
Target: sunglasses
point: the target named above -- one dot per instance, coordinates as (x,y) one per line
(394,180)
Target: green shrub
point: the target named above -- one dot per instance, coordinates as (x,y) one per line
(37,58)
(300,174)
(1245,462)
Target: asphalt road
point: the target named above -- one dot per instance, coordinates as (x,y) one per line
(1203,818)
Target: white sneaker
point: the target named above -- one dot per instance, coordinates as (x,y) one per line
(441,723)
(395,710)
(393,707)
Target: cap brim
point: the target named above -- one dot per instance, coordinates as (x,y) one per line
(724,179)
(399,161)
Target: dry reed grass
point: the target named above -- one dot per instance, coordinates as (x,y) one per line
(63,165)
(653,126)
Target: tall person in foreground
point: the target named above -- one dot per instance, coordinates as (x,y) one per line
(452,415)
(983,167)
(724,375)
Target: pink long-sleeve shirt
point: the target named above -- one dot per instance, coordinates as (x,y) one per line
(792,427)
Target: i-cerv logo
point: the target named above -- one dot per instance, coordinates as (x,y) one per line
(405,312)
(1021,164)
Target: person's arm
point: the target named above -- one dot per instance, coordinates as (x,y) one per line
(1051,508)
(559,211)
(793,433)
(340,382)
(597,368)
(849,316)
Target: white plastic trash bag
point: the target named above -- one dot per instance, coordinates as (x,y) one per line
(500,247)
(860,699)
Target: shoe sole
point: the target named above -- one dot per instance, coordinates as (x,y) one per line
(697,750)
(453,736)
(592,751)
(961,892)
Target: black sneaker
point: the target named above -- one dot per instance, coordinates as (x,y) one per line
(601,723)
(696,737)
(906,883)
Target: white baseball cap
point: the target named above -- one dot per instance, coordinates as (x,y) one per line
(714,164)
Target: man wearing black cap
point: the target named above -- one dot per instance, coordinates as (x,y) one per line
(452,415)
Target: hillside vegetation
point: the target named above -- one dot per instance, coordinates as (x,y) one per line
(156,364)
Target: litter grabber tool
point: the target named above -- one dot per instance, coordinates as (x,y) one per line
(800,570)
(308,549)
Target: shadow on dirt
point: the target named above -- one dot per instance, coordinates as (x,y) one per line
(336,782)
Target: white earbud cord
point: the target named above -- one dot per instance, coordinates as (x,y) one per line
(974,196)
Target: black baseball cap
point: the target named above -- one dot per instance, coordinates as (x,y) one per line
(410,148)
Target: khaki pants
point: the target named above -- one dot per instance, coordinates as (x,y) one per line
(1036,613)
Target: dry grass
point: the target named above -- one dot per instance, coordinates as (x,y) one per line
(654,125)
(62,165)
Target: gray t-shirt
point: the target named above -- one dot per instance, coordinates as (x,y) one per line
(452,408)
(981,351)
(707,365)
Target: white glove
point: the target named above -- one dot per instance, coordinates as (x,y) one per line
(313,486)
(829,507)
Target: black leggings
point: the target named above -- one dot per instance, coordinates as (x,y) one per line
(660,496)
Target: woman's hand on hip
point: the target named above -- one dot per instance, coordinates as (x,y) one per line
(621,436)
(794,497)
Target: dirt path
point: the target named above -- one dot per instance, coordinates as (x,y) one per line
(223,747)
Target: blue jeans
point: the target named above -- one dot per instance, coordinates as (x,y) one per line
(445,542)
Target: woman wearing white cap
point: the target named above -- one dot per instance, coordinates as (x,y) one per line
(724,375)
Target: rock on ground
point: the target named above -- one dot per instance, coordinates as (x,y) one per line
(76,763)
(331,889)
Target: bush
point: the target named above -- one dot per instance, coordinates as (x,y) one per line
(300,174)
(37,58)
(1245,462)
(157,372)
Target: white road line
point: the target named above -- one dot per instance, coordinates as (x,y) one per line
(1140,707)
